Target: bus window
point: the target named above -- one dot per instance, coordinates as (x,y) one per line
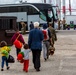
(42,16)
(32,11)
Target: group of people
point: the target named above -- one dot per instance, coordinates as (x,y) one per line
(38,40)
(62,24)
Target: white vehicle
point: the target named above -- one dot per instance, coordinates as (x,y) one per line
(27,12)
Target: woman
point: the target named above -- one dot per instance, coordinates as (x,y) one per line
(18,36)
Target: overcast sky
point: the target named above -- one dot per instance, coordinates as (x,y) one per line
(16,1)
(38,1)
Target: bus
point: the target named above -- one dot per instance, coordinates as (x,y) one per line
(27,12)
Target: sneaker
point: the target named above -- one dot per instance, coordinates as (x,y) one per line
(8,68)
(2,69)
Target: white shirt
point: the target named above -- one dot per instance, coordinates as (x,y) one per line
(26,53)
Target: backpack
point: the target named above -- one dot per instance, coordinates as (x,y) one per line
(10,59)
(45,33)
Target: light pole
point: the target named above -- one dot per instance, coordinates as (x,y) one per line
(64,11)
(58,4)
(44,1)
(70,7)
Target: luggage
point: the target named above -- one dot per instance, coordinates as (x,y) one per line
(10,59)
(17,43)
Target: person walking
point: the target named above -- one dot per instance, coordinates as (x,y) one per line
(26,51)
(58,24)
(53,33)
(46,41)
(35,44)
(31,25)
(18,36)
(64,23)
(23,29)
(4,50)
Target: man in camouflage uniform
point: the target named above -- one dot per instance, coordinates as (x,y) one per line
(64,23)
(58,24)
(23,29)
(53,33)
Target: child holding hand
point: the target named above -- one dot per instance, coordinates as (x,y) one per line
(4,50)
(26,57)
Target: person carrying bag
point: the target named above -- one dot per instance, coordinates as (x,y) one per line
(18,40)
(17,43)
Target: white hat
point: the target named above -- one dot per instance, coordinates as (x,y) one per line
(36,24)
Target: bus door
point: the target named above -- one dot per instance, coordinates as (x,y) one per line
(33,18)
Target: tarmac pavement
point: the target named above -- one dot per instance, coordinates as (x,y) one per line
(63,62)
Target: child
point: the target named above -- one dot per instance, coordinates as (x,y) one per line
(4,50)
(26,57)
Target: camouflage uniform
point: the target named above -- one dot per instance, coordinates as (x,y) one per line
(23,29)
(64,22)
(59,24)
(53,34)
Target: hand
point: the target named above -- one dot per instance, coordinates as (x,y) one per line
(52,44)
(55,39)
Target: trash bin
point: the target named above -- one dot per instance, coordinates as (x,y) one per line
(74,27)
(71,25)
(68,27)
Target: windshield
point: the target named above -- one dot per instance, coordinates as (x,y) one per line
(55,13)
(42,16)
(45,10)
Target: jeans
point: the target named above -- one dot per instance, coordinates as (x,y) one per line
(4,59)
(45,48)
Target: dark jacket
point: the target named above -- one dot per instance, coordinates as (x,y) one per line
(35,39)
(31,26)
